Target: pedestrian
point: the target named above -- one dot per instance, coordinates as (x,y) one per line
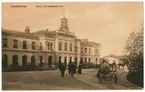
(72,69)
(62,69)
(115,77)
(69,68)
(80,69)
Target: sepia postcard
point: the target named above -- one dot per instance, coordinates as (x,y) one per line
(72,46)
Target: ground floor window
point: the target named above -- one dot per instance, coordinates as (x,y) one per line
(50,61)
(24,60)
(33,60)
(15,63)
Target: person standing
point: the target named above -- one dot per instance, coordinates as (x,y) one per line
(62,69)
(80,69)
(72,69)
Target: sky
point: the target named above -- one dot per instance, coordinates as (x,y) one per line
(106,23)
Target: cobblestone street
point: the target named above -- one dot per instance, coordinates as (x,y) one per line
(51,80)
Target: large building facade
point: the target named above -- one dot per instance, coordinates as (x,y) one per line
(47,47)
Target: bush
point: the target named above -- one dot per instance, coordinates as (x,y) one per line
(136,78)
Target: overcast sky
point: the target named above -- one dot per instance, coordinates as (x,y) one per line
(106,23)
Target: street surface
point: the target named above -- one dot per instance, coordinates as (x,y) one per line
(51,80)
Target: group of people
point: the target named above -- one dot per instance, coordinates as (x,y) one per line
(72,69)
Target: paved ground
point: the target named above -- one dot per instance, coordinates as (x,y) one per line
(41,80)
(88,76)
(51,80)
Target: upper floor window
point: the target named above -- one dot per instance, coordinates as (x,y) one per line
(40,45)
(33,45)
(70,46)
(51,45)
(5,42)
(89,51)
(60,46)
(81,49)
(48,45)
(65,46)
(15,45)
(24,44)
(97,51)
(85,50)
(76,48)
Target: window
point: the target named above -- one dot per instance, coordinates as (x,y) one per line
(89,51)
(70,46)
(81,49)
(60,46)
(33,45)
(85,50)
(51,45)
(5,42)
(48,45)
(24,44)
(65,46)
(15,44)
(40,45)
(76,48)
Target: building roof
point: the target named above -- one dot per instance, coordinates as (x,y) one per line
(17,33)
(114,56)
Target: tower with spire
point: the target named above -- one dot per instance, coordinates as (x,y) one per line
(64,23)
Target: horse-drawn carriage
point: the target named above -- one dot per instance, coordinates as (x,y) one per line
(105,72)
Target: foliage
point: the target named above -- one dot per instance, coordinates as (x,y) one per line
(134,49)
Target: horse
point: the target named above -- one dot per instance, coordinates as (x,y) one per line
(121,64)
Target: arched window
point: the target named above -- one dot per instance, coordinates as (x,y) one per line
(59,60)
(4,61)
(89,59)
(70,59)
(41,59)
(24,60)
(50,61)
(81,61)
(76,59)
(70,46)
(15,61)
(65,46)
(65,61)
(60,46)
(33,60)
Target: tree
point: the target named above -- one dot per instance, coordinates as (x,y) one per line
(134,51)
